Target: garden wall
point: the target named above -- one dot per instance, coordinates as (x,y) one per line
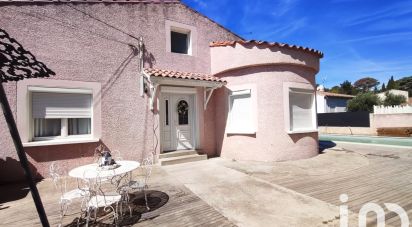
(391,120)
(376,121)
(344,119)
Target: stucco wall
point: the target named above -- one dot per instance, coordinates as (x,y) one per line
(390,120)
(270,71)
(230,57)
(77,46)
(271,141)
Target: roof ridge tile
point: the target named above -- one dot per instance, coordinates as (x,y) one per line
(260,42)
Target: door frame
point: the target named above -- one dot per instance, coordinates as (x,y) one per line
(180,91)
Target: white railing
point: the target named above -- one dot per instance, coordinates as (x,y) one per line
(392,109)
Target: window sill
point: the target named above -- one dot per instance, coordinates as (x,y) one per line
(241,133)
(303,131)
(181,54)
(60,142)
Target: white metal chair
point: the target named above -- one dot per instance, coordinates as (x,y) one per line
(98,198)
(140,184)
(66,196)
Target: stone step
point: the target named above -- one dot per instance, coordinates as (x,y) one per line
(176,153)
(182,159)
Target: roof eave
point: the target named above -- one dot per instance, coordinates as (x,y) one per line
(185,82)
(267,44)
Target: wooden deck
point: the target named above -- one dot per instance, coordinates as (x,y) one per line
(366,176)
(171,204)
(387,178)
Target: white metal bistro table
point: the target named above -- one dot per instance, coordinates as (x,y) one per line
(93,170)
(115,175)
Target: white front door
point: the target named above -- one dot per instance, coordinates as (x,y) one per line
(177,119)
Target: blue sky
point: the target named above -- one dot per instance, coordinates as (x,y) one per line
(358,37)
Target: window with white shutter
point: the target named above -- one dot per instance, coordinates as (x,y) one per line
(241,117)
(58,115)
(301,110)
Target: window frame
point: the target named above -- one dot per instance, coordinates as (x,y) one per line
(188,40)
(64,126)
(24,111)
(191,31)
(239,91)
(64,132)
(295,87)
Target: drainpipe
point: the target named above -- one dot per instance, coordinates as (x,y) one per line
(141,54)
(143,76)
(141,65)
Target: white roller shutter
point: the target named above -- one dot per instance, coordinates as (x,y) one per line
(241,115)
(301,112)
(61,105)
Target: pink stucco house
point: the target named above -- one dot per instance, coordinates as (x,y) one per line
(138,75)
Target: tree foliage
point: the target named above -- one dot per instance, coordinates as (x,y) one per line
(346,87)
(335,89)
(383,88)
(391,84)
(363,102)
(366,84)
(393,100)
(405,84)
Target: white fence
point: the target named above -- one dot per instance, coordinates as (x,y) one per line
(392,109)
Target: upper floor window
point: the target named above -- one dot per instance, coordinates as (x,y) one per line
(180,41)
(58,115)
(180,38)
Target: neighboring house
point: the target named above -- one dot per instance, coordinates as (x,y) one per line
(328,102)
(382,95)
(245,100)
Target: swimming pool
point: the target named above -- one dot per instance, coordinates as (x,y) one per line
(396,141)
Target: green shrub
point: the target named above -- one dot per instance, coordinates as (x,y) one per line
(393,100)
(363,102)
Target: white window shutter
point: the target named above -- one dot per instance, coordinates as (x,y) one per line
(301,112)
(61,105)
(241,112)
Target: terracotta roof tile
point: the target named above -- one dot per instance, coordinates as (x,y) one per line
(330,94)
(262,43)
(181,75)
(93,1)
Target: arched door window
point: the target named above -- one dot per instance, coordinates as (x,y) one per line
(183,112)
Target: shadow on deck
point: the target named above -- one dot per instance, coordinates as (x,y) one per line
(170,202)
